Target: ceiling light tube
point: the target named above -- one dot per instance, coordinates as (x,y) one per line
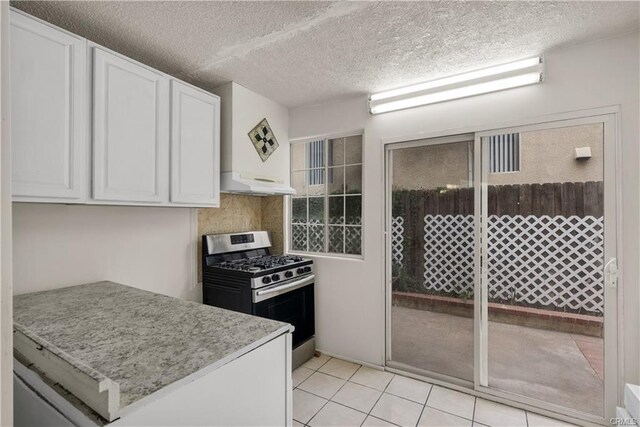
(461,92)
(459,78)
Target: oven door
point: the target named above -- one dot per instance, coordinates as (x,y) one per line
(291,302)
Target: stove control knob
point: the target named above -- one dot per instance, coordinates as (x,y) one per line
(300,270)
(275,277)
(266,280)
(288,274)
(307,269)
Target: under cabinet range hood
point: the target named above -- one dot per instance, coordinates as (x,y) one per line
(234,182)
(244,170)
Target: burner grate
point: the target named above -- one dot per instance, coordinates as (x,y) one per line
(261,263)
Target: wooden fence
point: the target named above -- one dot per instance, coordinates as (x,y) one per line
(562,198)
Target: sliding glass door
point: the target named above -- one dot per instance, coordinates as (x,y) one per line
(508,286)
(548,291)
(431,208)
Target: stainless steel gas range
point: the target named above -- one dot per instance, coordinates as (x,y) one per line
(240,274)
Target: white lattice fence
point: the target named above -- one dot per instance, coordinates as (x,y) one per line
(310,237)
(311,233)
(397,239)
(448,253)
(547,260)
(298,237)
(536,260)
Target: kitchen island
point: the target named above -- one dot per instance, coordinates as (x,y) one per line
(113,354)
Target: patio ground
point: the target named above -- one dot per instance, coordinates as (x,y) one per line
(565,369)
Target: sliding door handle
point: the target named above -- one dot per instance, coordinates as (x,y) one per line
(611,273)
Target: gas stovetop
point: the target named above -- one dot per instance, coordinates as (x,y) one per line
(245,258)
(263,270)
(260,264)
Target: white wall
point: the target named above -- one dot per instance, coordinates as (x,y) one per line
(350,294)
(62,245)
(6,292)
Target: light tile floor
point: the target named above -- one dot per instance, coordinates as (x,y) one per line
(333,392)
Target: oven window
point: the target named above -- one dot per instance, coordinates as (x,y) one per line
(295,307)
(326,212)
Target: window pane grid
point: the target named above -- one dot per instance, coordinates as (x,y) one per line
(330,198)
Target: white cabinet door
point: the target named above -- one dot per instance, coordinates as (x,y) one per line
(195,146)
(130,130)
(48,112)
(251,390)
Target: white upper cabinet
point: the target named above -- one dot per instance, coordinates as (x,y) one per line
(130,130)
(48,112)
(195,146)
(80,111)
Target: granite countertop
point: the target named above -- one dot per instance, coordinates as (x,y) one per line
(141,340)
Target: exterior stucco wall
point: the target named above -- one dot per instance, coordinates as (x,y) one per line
(430,167)
(546,156)
(549,156)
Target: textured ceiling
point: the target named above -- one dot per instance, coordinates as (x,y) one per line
(300,53)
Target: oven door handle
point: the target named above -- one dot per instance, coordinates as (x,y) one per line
(297,284)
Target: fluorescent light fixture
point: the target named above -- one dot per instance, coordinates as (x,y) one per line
(513,74)
(461,92)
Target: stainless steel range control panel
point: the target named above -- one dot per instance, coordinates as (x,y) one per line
(281,276)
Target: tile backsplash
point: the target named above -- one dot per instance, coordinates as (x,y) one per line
(273,221)
(239,213)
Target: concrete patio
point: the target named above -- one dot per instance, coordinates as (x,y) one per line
(558,367)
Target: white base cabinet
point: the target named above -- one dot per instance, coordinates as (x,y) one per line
(252,390)
(29,409)
(92,126)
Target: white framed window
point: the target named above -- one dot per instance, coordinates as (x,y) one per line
(504,153)
(326,212)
